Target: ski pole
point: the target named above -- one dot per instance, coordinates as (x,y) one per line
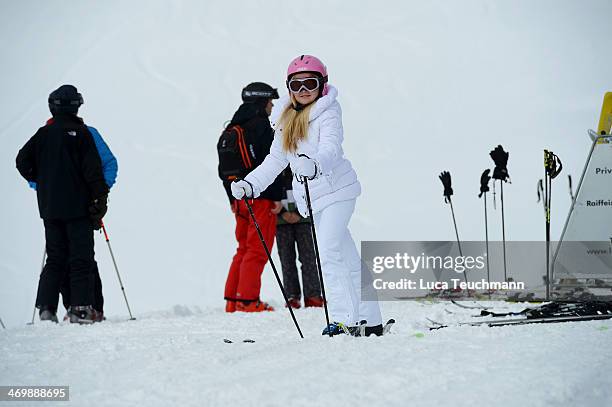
(445,178)
(487,242)
(316,246)
(457,234)
(552,168)
(501,186)
(110,249)
(500,172)
(41,270)
(456,230)
(280,284)
(484,188)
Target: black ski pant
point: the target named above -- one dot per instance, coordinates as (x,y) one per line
(98,298)
(70,246)
(287,236)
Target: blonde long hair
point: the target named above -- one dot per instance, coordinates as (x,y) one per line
(294,125)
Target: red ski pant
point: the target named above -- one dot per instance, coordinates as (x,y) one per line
(244,278)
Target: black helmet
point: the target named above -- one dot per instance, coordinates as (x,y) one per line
(256,91)
(65,99)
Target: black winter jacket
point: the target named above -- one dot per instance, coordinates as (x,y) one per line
(63,161)
(259,134)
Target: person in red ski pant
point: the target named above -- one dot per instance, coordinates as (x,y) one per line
(244,279)
(242,147)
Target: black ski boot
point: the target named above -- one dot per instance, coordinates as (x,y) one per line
(99,316)
(374,330)
(47,314)
(364,330)
(82,314)
(336,328)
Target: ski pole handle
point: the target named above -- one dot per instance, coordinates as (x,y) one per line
(104,230)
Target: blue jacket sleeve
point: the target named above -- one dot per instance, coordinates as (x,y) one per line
(109,162)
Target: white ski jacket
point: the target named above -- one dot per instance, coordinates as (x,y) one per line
(336,179)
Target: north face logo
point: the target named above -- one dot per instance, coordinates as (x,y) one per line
(72,133)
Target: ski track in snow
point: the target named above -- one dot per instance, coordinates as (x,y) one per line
(178,357)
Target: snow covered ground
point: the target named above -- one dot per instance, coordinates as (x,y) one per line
(178,357)
(424,87)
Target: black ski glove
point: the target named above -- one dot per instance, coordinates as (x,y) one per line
(97,210)
(500,158)
(484,182)
(445,177)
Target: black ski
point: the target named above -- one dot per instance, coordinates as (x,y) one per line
(360,332)
(523,321)
(435,323)
(243,341)
(476,306)
(485,313)
(545,320)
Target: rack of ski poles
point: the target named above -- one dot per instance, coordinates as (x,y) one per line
(552,168)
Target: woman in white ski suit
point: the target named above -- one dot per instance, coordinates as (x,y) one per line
(333,192)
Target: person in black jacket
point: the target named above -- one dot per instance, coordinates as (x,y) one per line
(243,282)
(63,160)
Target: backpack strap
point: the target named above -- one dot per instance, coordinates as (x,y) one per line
(244,152)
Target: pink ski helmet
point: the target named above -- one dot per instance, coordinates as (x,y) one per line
(308,63)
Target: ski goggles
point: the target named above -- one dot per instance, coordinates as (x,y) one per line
(76,101)
(309,84)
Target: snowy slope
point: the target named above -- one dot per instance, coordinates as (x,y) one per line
(178,357)
(425,86)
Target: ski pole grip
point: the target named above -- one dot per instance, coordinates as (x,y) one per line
(104,230)
(304,178)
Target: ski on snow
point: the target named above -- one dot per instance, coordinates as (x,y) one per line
(243,341)
(386,330)
(521,321)
(475,306)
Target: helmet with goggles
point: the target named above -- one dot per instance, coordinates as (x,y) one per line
(307,63)
(258,91)
(65,99)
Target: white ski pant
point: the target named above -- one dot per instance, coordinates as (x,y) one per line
(341,266)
